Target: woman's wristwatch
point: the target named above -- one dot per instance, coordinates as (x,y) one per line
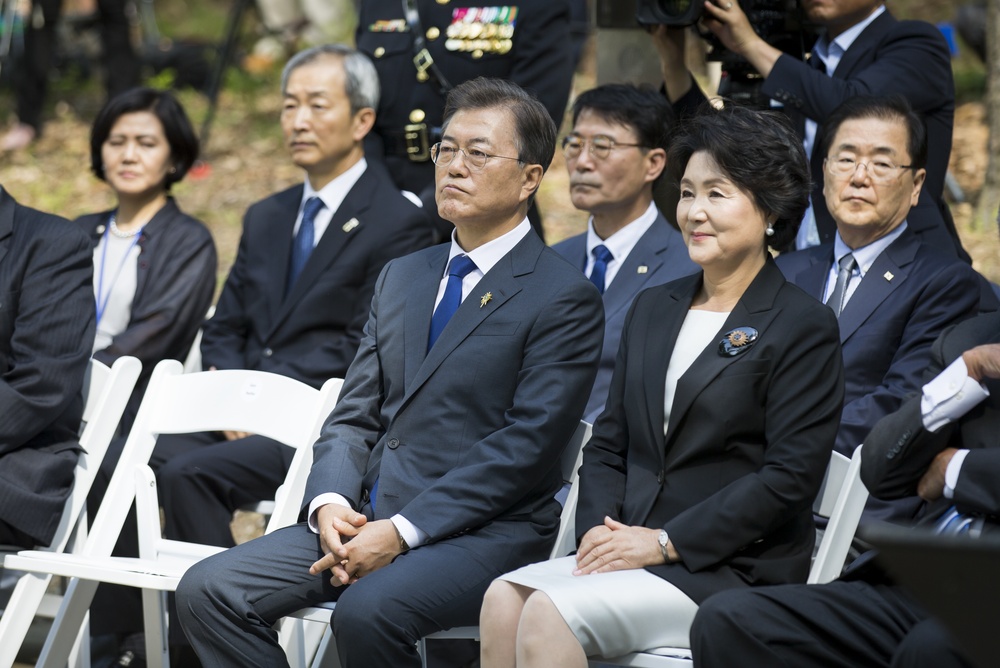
(663,539)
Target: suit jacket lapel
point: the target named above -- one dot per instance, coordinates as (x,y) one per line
(500,281)
(279,223)
(885,275)
(864,45)
(754,309)
(418,311)
(812,279)
(660,347)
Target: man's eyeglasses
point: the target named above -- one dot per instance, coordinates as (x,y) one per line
(879,169)
(443,154)
(600,146)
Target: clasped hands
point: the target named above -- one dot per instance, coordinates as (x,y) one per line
(352,546)
(614,546)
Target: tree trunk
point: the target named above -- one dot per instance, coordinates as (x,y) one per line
(989,198)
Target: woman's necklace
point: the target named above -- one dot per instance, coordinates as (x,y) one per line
(113,227)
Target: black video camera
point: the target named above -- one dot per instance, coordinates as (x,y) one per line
(779,22)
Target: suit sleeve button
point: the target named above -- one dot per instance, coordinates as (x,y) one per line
(660,477)
(392,443)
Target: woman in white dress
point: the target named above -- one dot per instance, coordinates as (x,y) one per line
(720,420)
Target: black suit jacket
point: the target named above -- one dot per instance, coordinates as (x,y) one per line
(175,281)
(312,333)
(747,445)
(46,334)
(909,58)
(899,449)
(904,302)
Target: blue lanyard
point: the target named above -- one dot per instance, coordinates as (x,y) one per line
(103,298)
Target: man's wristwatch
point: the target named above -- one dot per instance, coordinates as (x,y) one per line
(403,547)
(663,539)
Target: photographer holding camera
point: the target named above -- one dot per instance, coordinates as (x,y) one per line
(862,50)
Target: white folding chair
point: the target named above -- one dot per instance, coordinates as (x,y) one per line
(105,394)
(297,640)
(841,499)
(263,403)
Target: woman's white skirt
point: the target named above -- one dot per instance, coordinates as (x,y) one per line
(615,613)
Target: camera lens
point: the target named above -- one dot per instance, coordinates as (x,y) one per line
(675,7)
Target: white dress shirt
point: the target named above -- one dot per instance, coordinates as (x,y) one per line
(948,397)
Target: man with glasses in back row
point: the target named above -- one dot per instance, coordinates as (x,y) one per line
(615,154)
(892,292)
(437,470)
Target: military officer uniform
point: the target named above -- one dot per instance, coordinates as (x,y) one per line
(527,43)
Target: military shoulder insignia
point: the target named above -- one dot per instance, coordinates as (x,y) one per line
(737,341)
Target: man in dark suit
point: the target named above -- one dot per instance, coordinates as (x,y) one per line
(942,444)
(893,293)
(615,154)
(457,40)
(440,461)
(863,51)
(295,301)
(46,335)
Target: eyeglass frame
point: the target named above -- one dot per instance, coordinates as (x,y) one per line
(829,162)
(436,152)
(589,142)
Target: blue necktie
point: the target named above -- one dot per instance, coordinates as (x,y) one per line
(302,244)
(458,268)
(601,258)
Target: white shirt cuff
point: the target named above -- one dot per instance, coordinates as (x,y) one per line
(950,395)
(411,534)
(322,500)
(951,473)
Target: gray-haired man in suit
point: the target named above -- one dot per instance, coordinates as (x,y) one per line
(615,154)
(437,470)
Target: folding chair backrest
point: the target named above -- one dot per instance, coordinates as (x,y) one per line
(570,463)
(841,499)
(288,499)
(253,401)
(106,392)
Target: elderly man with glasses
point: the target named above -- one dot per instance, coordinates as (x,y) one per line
(615,154)
(892,292)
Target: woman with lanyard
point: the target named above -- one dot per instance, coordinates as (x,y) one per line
(154,266)
(154,272)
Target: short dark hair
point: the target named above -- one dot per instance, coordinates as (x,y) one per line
(890,108)
(534,129)
(361,84)
(642,108)
(176,128)
(759,152)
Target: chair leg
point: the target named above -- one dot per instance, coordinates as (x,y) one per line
(79,656)
(154,613)
(66,626)
(27,597)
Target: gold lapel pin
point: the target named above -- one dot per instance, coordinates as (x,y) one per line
(641,269)
(485,299)
(350,225)
(888,276)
